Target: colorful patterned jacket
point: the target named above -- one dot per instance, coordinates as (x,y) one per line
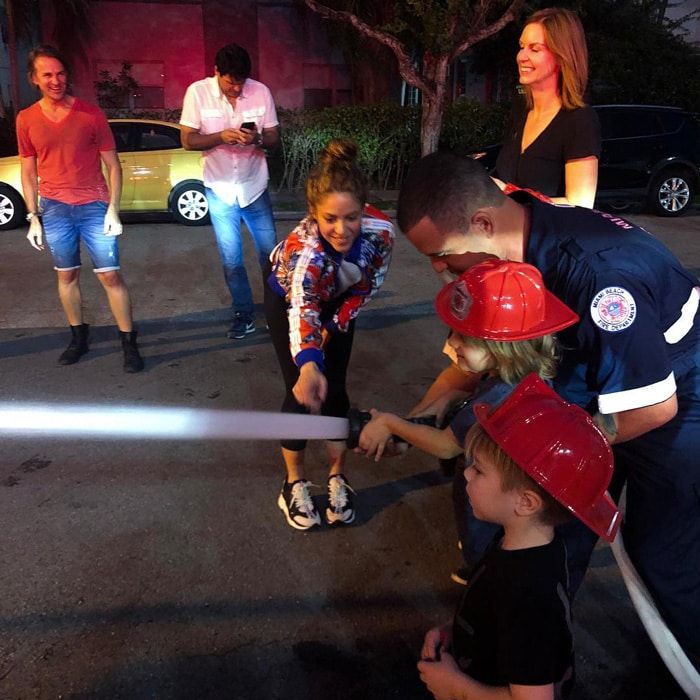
(306,271)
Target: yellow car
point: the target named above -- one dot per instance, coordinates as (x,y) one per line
(159,175)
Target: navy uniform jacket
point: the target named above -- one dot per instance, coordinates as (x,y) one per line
(639,328)
(637,344)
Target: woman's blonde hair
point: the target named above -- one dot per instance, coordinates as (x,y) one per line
(336,171)
(565,38)
(513,478)
(518,358)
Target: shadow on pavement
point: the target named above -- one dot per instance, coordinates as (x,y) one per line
(27,342)
(377,498)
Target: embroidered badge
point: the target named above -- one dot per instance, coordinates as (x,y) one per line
(461,301)
(613,309)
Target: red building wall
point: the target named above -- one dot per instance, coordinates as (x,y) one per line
(172,44)
(226,21)
(296,60)
(165,42)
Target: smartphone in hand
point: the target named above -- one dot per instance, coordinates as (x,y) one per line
(249,125)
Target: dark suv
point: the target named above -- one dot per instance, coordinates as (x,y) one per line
(649,154)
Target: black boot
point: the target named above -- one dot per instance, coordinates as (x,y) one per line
(78,345)
(132,360)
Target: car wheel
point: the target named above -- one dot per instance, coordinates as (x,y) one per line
(12,209)
(189,205)
(618,205)
(671,193)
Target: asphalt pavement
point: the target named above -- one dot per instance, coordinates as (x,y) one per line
(136,569)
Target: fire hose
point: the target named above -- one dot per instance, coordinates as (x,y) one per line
(159,423)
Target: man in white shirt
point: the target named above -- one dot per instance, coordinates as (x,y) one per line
(233,119)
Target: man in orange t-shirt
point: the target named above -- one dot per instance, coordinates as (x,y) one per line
(64,141)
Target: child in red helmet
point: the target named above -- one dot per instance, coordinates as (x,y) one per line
(535,460)
(502,320)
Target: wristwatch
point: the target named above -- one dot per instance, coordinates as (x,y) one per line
(32,214)
(259,138)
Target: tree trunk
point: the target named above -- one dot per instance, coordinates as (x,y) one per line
(433,103)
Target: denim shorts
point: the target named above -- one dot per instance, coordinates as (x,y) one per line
(65,225)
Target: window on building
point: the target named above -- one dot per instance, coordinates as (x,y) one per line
(130,84)
(149,96)
(410,95)
(325,85)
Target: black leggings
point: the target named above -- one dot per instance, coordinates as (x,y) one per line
(337,357)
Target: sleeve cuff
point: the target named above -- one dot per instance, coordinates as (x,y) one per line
(637,398)
(309,355)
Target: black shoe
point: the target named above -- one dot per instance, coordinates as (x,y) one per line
(242,326)
(296,504)
(78,345)
(340,509)
(461,576)
(133,361)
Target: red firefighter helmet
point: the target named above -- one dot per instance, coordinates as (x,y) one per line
(502,300)
(560,447)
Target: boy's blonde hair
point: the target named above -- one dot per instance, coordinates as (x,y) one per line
(513,478)
(515,359)
(566,39)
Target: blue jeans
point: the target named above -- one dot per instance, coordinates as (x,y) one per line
(65,225)
(226,220)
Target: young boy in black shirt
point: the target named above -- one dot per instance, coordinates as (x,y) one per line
(534,460)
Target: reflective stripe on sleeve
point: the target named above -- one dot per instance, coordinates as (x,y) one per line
(681,327)
(637,398)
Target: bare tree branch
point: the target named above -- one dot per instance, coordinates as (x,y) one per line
(431,77)
(406,67)
(508,16)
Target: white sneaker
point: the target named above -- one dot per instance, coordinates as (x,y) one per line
(340,509)
(297,505)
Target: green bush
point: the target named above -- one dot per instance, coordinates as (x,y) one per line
(166,115)
(114,91)
(468,125)
(388,137)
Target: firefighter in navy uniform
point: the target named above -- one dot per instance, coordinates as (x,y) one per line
(633,359)
(637,346)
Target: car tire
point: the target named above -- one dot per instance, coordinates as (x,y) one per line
(618,205)
(188,204)
(12,209)
(671,192)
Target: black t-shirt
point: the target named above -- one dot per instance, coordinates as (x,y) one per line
(513,625)
(571,134)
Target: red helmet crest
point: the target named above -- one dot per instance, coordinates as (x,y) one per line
(502,300)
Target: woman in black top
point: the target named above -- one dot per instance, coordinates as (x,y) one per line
(552,143)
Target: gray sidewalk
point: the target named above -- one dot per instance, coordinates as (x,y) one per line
(137,569)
